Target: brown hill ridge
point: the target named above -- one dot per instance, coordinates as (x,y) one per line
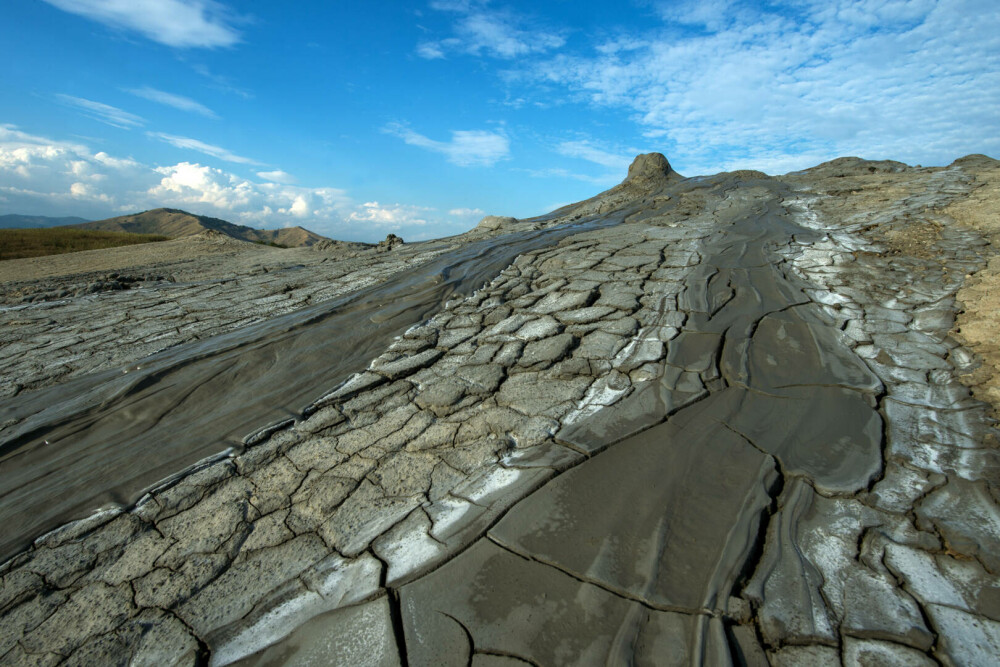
(176,223)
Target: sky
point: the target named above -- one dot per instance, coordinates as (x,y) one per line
(358,119)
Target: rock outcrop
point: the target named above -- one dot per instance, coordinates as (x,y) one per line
(391,241)
(495,222)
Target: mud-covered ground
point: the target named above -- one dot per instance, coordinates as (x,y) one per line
(94,310)
(917,234)
(720,420)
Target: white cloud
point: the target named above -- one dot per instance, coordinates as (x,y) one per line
(482,31)
(466,212)
(467,148)
(48,177)
(192,184)
(430,50)
(391,216)
(208,149)
(62,178)
(620,44)
(40,174)
(103,112)
(175,101)
(277,176)
(178,23)
(114,162)
(728,84)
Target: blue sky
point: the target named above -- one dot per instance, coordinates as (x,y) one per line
(359,119)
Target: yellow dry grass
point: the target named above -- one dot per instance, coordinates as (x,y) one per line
(978,322)
(22,243)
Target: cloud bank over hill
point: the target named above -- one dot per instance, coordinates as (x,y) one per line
(37,173)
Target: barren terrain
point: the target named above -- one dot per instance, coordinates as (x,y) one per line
(713,420)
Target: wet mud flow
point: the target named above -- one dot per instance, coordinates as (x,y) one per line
(658,530)
(106,437)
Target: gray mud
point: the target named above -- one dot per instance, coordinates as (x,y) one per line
(107,437)
(725,428)
(667,519)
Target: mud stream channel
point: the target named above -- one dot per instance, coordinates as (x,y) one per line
(659,528)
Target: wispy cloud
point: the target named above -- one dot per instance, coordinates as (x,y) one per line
(222,83)
(431,50)
(722,85)
(103,112)
(467,148)
(479,30)
(559,172)
(177,23)
(586,150)
(200,146)
(277,176)
(711,15)
(466,212)
(172,100)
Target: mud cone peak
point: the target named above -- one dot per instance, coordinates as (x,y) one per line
(650,169)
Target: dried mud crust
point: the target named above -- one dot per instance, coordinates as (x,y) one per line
(727,430)
(922,229)
(67,325)
(444,431)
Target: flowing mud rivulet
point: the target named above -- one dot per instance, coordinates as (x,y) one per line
(715,420)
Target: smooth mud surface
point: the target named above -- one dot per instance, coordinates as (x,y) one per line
(719,421)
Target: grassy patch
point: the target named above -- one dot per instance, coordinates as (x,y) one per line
(19,243)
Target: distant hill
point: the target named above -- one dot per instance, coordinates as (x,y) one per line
(16,221)
(174,223)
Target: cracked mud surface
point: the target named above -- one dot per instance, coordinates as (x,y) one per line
(720,420)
